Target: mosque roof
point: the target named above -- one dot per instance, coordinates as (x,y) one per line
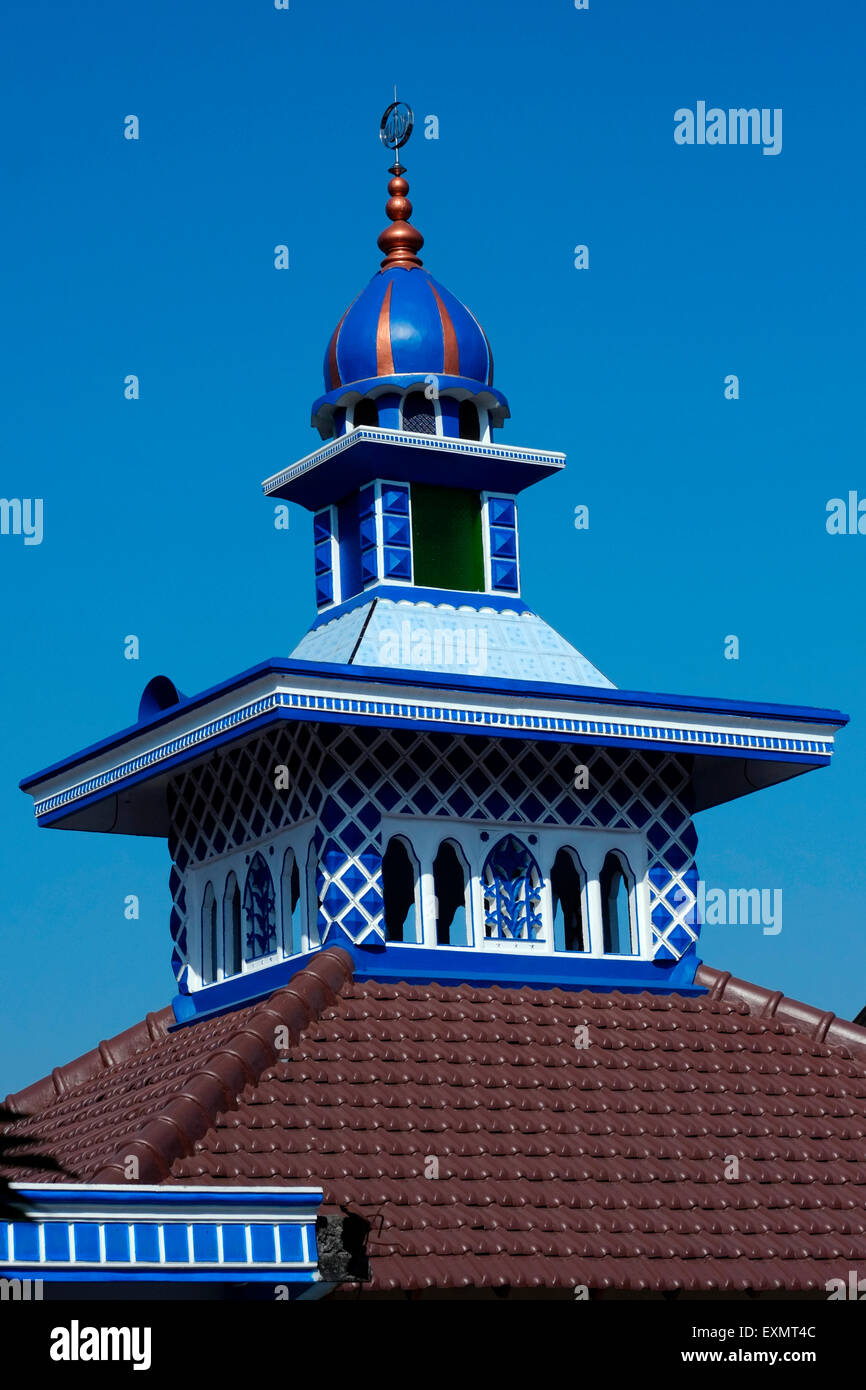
(483,1147)
(737,746)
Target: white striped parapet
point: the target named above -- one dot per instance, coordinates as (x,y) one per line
(75,1231)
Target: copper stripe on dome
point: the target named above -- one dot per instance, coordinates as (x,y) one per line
(333,367)
(450,350)
(384,356)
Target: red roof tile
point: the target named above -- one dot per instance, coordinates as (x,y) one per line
(558,1165)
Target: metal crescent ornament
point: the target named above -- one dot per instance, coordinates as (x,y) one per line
(396,125)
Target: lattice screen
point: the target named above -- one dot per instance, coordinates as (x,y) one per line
(349,777)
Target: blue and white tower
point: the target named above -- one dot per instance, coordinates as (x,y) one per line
(434,779)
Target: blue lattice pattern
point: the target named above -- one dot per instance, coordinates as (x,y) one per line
(349,777)
(259,910)
(512,893)
(368,534)
(502,534)
(396,535)
(323,555)
(232,799)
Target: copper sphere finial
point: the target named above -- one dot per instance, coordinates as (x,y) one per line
(401,241)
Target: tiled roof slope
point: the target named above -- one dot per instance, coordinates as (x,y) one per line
(602,1164)
(155,1101)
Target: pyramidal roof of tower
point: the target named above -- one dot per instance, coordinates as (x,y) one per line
(502,644)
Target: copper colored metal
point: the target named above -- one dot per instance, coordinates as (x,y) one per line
(401,242)
(333,365)
(384,356)
(451,350)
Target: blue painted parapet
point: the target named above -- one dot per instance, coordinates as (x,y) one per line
(79,1233)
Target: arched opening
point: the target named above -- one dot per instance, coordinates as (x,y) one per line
(260,909)
(450,880)
(232,927)
(209,946)
(293,927)
(617,926)
(366,412)
(311,897)
(399,885)
(566,886)
(419,415)
(469,423)
(512,893)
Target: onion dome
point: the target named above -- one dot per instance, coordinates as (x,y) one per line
(403,328)
(406,323)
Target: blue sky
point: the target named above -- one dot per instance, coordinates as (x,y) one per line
(707,516)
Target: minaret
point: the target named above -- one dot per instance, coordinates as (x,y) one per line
(434,779)
(414,501)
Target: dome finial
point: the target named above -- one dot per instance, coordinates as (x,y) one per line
(400,242)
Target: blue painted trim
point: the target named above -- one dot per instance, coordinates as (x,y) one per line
(127,1232)
(446,966)
(106,1274)
(455,598)
(386,675)
(236,993)
(568,971)
(349,461)
(538,728)
(475,388)
(166,1197)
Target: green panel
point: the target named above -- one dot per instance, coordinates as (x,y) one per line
(447,548)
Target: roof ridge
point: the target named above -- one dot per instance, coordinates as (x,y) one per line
(822,1025)
(107,1054)
(241,1059)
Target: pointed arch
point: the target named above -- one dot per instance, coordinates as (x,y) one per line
(400,877)
(209,937)
(451,889)
(291,899)
(232,944)
(616,885)
(312,905)
(260,910)
(568,893)
(512,884)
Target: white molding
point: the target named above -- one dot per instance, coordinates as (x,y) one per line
(449,444)
(457,710)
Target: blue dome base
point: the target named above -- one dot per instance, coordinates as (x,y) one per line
(460,388)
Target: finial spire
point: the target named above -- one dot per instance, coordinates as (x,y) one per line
(400,242)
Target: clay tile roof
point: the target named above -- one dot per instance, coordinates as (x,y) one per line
(486,1148)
